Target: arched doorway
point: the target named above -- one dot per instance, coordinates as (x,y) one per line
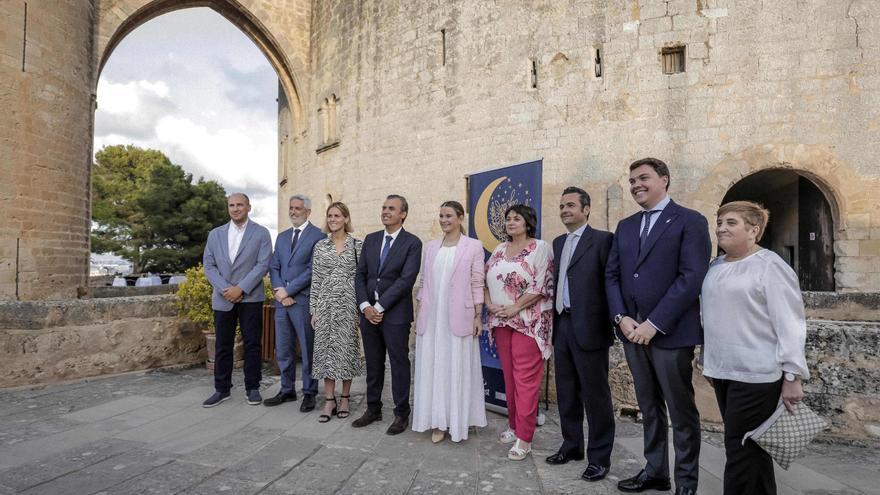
(801,228)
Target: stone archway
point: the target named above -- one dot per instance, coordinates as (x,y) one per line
(849,197)
(801,228)
(116,19)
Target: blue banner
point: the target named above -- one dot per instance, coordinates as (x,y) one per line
(490,193)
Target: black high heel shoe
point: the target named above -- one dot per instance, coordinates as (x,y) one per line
(344,413)
(325,418)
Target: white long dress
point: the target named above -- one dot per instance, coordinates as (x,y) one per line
(448,386)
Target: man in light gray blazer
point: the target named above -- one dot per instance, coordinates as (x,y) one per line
(291,276)
(236,259)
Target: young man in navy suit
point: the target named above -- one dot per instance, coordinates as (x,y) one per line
(581,338)
(386,274)
(655,272)
(291,275)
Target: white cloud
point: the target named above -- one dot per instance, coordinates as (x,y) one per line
(234,157)
(130,97)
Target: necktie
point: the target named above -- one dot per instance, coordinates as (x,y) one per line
(295,238)
(644,236)
(562,290)
(385,248)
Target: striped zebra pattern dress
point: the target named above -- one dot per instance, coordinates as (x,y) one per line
(337,351)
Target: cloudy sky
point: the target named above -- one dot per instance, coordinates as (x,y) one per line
(193,86)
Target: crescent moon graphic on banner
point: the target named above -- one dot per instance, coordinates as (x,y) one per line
(481,217)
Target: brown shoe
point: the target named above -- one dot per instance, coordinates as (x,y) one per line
(369,417)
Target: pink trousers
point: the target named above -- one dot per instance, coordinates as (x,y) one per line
(523,368)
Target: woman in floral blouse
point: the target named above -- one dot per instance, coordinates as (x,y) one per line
(519,298)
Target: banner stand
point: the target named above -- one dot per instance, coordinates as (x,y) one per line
(490,193)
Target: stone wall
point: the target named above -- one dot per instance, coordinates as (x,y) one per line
(844,386)
(46,76)
(786,84)
(442,89)
(42,342)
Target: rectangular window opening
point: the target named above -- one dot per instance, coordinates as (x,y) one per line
(24,40)
(598,63)
(533,76)
(443,46)
(673,59)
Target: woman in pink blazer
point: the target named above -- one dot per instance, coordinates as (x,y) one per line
(448,386)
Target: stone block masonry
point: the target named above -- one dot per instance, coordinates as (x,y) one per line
(43,342)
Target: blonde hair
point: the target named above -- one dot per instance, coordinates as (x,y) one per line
(339,205)
(751,213)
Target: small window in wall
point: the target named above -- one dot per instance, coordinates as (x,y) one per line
(673,59)
(443,46)
(327,124)
(533,74)
(597,61)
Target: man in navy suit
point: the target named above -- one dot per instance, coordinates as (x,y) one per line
(655,271)
(386,274)
(236,259)
(291,276)
(582,336)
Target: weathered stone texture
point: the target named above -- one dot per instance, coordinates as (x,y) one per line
(844,386)
(45,138)
(768,84)
(790,84)
(44,342)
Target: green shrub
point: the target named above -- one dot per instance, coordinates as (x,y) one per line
(194,298)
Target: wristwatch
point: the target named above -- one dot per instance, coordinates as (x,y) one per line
(618,318)
(790,377)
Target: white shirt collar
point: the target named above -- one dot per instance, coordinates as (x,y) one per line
(579,232)
(393,234)
(301,227)
(236,227)
(661,205)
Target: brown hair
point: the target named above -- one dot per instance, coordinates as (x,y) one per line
(751,213)
(339,205)
(458,209)
(657,164)
(529,215)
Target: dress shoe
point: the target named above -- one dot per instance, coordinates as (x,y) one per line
(560,458)
(279,399)
(642,482)
(368,417)
(308,403)
(683,490)
(398,426)
(595,472)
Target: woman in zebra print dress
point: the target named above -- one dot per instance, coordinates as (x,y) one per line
(336,354)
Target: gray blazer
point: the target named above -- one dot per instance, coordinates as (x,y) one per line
(250,266)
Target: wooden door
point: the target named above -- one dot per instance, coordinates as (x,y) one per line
(815,238)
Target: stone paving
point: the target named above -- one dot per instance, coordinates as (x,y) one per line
(146,433)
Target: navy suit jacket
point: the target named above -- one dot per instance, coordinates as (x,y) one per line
(395,281)
(586,288)
(663,282)
(293,269)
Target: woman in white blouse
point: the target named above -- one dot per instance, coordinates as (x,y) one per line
(755,331)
